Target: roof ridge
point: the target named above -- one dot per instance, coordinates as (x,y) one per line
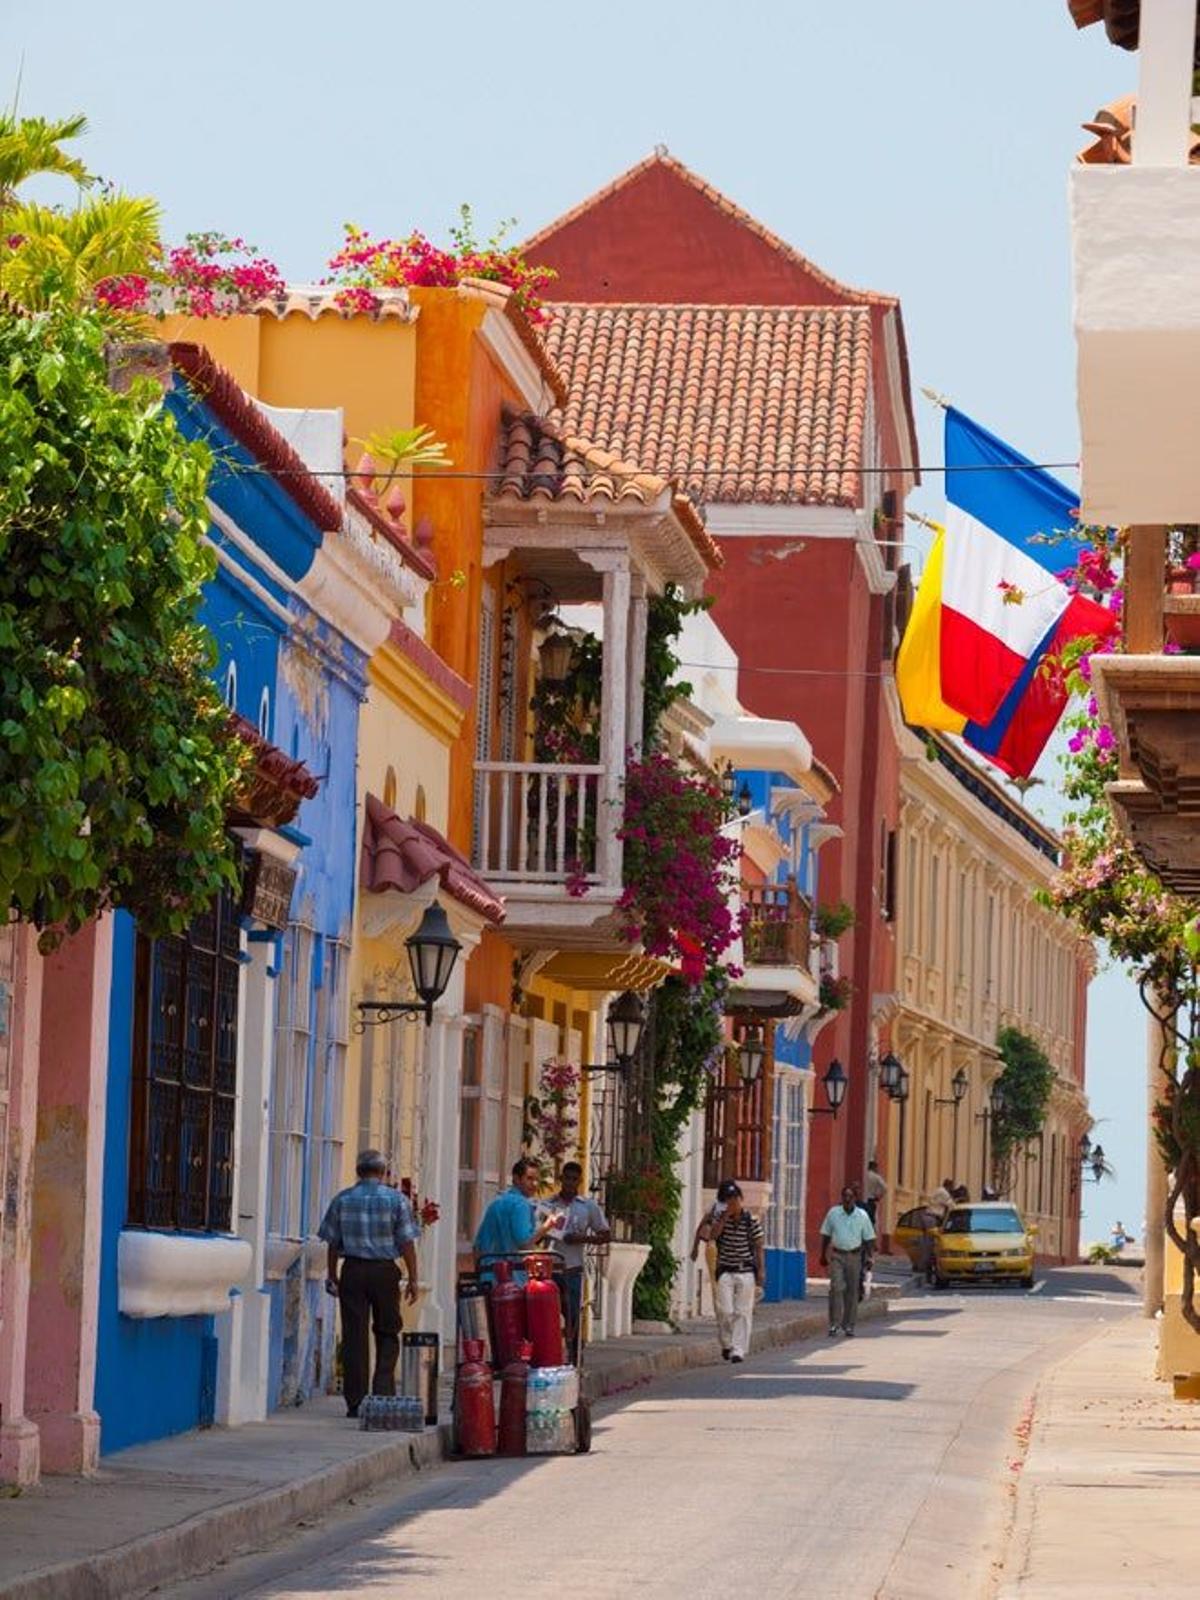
(663,158)
(806,308)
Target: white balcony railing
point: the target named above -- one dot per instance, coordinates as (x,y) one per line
(540,822)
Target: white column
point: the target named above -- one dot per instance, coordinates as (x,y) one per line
(244,1334)
(1162,132)
(613,736)
(635,671)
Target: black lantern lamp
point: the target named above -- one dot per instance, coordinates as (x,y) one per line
(1085,1150)
(959,1084)
(432,952)
(555,657)
(996,1097)
(900,1092)
(626,1019)
(1098,1163)
(728,780)
(745,800)
(834,1083)
(890,1069)
(752,1053)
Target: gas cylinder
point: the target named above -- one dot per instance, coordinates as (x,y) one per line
(474,1405)
(514,1382)
(508,1315)
(543,1315)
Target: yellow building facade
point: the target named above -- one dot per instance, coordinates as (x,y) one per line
(978,954)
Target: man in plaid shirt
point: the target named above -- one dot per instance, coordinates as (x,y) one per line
(368,1226)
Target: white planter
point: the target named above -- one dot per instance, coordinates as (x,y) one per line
(625,1261)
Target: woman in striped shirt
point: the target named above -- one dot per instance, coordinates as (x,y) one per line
(738,1237)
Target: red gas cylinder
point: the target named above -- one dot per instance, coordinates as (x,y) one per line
(514,1382)
(508,1315)
(543,1315)
(474,1405)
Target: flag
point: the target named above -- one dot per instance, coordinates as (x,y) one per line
(984,666)
(1001,597)
(918,661)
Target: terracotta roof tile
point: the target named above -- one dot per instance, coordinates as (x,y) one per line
(1113,129)
(403,855)
(663,157)
(539,461)
(734,403)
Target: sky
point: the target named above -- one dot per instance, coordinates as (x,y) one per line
(918,149)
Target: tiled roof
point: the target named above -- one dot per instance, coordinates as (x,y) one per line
(272,789)
(228,401)
(403,855)
(538,461)
(663,158)
(736,403)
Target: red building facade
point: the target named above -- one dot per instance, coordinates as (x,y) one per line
(697,344)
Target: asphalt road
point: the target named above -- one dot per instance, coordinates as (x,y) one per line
(842,1470)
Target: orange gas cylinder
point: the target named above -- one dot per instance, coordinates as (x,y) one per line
(474,1403)
(543,1315)
(508,1315)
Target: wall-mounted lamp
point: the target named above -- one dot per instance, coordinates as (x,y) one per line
(835,1084)
(432,952)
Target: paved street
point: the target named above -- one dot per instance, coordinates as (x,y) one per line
(887,1458)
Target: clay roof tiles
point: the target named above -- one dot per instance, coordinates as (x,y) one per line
(402,855)
(540,461)
(734,403)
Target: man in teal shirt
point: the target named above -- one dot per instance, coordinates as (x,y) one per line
(849,1233)
(509,1224)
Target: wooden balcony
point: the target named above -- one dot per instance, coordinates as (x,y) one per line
(778,930)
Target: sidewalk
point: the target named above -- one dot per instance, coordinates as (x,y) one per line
(1107,1498)
(160,1512)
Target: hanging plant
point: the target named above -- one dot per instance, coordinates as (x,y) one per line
(831,922)
(835,994)
(551,1129)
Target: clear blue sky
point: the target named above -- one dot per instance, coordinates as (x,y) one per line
(920,149)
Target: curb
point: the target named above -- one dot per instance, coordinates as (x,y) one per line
(187,1550)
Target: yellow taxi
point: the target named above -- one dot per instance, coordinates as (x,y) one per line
(911,1231)
(986,1242)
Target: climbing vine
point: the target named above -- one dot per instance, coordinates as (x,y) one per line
(1026,1082)
(117,763)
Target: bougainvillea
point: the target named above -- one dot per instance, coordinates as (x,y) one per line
(365,265)
(208,275)
(680,866)
(552,1114)
(1106,889)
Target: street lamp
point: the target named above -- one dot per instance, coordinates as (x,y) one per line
(1097,1163)
(555,657)
(728,785)
(1085,1150)
(890,1069)
(626,1020)
(835,1083)
(959,1084)
(745,800)
(751,1054)
(432,952)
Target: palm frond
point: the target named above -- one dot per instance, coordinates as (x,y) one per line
(64,255)
(32,145)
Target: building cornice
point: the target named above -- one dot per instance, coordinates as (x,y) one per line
(400,678)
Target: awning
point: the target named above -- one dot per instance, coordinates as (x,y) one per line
(605,971)
(403,855)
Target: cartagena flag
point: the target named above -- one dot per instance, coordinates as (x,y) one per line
(992,614)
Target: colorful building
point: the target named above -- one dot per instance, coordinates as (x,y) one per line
(696,342)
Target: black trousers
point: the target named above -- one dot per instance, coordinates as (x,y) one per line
(369,1292)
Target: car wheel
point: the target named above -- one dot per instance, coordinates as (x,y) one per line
(1027,1283)
(939,1282)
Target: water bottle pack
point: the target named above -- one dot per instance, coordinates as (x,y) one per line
(552,1388)
(550,1433)
(391,1413)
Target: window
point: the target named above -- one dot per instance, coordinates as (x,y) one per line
(935,893)
(888,897)
(390,788)
(485,701)
(785,1218)
(989,947)
(470,1133)
(329,1078)
(960,932)
(289,1088)
(231,686)
(185,1075)
(911,897)
(419,803)
(264,714)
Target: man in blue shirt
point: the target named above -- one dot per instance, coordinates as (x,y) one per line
(368,1226)
(509,1224)
(849,1233)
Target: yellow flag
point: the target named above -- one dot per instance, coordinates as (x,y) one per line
(918,662)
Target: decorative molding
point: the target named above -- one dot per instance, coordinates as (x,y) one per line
(503,342)
(427,703)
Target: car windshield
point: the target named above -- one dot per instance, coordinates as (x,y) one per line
(974,1219)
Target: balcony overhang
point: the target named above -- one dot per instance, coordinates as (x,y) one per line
(1152,704)
(768,988)
(1136,246)
(549,917)
(761,744)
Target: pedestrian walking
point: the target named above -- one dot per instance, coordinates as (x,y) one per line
(578,1221)
(365,1229)
(876,1193)
(738,1236)
(848,1233)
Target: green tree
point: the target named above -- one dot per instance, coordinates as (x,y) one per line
(1026,1082)
(117,762)
(31,146)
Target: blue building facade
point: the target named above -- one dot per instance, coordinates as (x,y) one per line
(190,1329)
